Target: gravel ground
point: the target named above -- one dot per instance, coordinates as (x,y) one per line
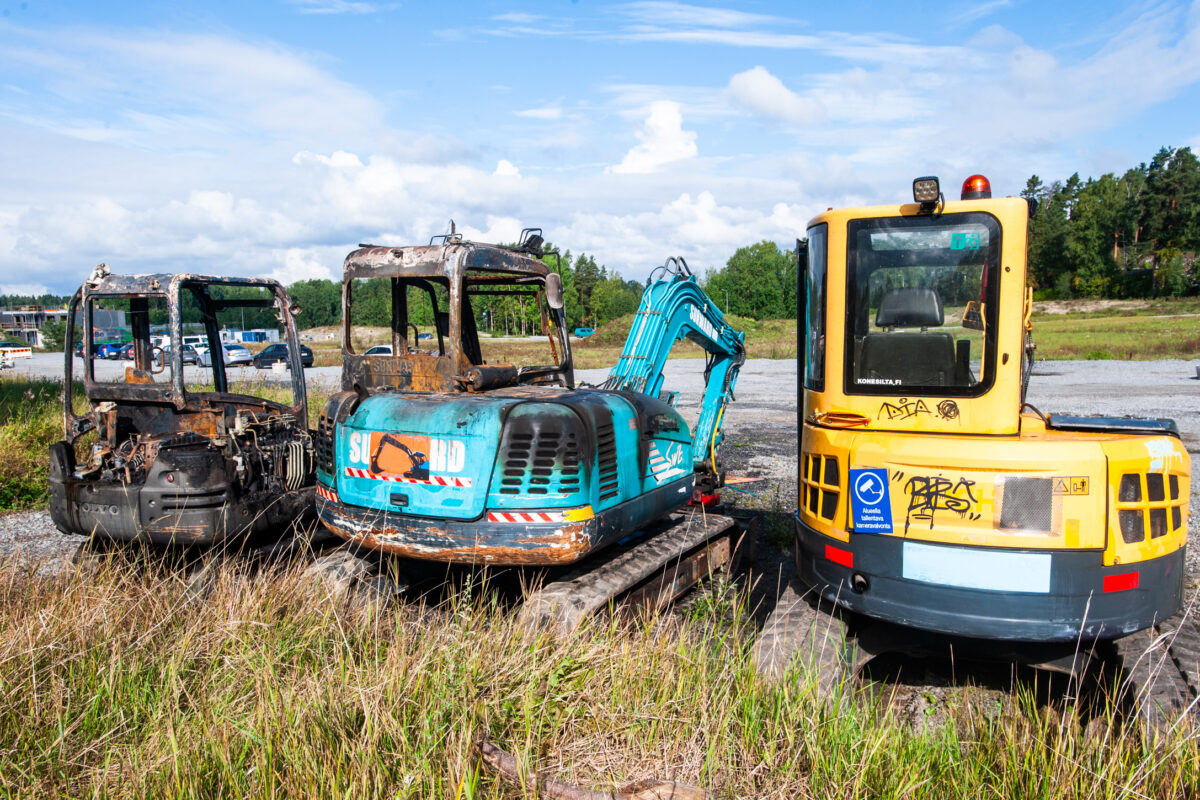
(30,539)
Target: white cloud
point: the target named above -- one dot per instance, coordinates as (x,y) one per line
(31,289)
(220,91)
(505,169)
(667,13)
(518,18)
(499,229)
(545,112)
(339,159)
(697,227)
(761,92)
(663,141)
(334,7)
(981,10)
(300,264)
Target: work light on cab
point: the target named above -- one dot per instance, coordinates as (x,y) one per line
(976,187)
(926,191)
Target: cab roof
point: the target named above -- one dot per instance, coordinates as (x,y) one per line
(451,259)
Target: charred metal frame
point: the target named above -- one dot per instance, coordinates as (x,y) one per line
(169,286)
(463,268)
(172,466)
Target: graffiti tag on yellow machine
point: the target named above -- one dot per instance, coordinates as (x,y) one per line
(929,494)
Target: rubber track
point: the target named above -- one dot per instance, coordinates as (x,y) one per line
(803,626)
(563,604)
(1161,673)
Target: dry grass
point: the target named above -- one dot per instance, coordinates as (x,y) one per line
(120,683)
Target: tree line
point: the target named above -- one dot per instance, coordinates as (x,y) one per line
(1136,235)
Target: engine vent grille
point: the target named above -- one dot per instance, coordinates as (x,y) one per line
(192,501)
(1027,505)
(539,456)
(323,444)
(820,485)
(606,452)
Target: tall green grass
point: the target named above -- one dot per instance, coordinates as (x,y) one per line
(124,684)
(30,420)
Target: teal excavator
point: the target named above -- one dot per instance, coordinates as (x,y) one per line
(433,451)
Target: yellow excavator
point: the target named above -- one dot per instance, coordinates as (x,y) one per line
(932,496)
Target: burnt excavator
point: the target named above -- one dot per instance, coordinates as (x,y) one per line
(441,448)
(173,455)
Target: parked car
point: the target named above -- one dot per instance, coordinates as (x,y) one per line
(583,333)
(279,352)
(190,356)
(126,352)
(235,355)
(379,350)
(10,344)
(111,351)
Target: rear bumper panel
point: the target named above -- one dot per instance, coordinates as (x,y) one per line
(504,543)
(198,510)
(1016,595)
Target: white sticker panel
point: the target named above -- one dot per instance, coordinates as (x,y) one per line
(991,570)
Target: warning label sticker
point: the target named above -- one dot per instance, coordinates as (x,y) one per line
(1069,485)
(871,505)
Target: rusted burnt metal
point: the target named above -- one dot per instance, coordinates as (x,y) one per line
(461,268)
(511,771)
(473,542)
(168,465)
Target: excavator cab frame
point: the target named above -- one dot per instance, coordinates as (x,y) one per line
(450,273)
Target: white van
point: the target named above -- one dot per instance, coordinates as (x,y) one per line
(198,343)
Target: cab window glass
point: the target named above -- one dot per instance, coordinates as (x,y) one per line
(921,304)
(394,315)
(814,310)
(124,330)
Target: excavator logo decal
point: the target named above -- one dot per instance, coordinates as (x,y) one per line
(665,467)
(406,458)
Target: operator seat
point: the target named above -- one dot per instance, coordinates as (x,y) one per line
(913,359)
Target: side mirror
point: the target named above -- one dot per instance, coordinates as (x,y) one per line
(554,292)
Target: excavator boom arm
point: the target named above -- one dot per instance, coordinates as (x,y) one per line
(674,307)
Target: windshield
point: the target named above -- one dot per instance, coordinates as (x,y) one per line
(504,320)
(921,304)
(129,339)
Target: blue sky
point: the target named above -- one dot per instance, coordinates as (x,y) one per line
(269,138)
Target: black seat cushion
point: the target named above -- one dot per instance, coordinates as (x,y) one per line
(915,307)
(914,359)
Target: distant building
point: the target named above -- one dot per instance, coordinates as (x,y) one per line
(26,322)
(259,335)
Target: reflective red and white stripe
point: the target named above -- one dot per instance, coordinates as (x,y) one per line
(527,516)
(432,480)
(657,462)
(328,494)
